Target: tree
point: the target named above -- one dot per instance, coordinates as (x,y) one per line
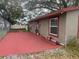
(34,8)
(50,4)
(10,10)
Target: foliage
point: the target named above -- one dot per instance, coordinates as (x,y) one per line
(72,43)
(72,48)
(10,10)
(34,8)
(31,8)
(17,30)
(50,4)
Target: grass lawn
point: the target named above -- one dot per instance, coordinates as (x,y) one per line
(52,54)
(16,30)
(2,33)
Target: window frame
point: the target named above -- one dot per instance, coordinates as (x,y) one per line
(56,35)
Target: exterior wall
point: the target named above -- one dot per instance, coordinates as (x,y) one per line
(32,26)
(42,27)
(44,24)
(72,24)
(62,27)
(68,26)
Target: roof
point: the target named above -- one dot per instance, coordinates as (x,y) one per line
(57,13)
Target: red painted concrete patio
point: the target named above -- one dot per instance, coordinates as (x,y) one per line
(23,42)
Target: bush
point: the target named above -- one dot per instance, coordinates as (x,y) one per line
(17,30)
(72,43)
(72,47)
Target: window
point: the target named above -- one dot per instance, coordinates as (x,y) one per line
(54,26)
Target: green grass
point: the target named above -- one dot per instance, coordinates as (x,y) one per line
(2,33)
(72,48)
(16,30)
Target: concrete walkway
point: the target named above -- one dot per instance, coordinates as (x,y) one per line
(22,43)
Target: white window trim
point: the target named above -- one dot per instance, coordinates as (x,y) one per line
(53,34)
(53,26)
(50,28)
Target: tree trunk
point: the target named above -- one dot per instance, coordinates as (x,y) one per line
(7,25)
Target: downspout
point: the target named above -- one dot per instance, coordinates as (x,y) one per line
(66,32)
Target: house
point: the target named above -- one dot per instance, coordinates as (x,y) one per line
(61,25)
